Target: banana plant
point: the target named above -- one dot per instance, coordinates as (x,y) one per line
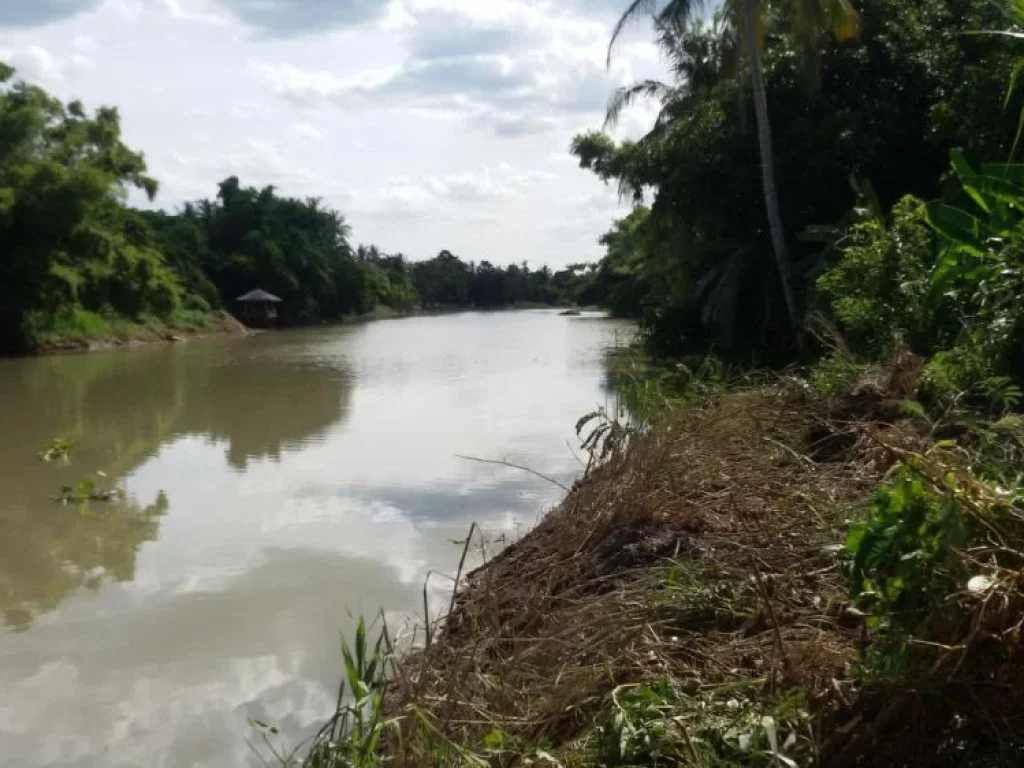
(977,218)
(1015,12)
(979,270)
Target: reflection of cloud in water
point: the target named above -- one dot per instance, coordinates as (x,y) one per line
(523,498)
(265,646)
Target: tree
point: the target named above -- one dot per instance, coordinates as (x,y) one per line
(889,109)
(812,17)
(699,59)
(66,238)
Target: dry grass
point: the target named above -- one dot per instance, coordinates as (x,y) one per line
(691,592)
(704,553)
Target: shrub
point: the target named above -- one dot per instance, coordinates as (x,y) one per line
(880,288)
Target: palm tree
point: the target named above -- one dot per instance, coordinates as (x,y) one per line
(810,19)
(700,58)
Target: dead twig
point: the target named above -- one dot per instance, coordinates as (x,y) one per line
(503,463)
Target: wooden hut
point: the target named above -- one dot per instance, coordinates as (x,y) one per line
(258,308)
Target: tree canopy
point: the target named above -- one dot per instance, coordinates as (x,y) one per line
(886,108)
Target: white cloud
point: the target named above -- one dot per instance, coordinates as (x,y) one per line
(190,176)
(307,131)
(503,183)
(429,123)
(296,17)
(513,68)
(196,10)
(34,62)
(408,196)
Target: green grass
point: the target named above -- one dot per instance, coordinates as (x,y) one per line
(76,321)
(77,326)
(189,319)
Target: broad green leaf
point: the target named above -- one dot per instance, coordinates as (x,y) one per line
(957,225)
(967,178)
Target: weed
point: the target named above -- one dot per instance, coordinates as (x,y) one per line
(352,737)
(58,449)
(190,319)
(661,725)
(835,374)
(87,491)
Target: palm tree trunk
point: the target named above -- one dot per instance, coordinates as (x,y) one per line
(771,193)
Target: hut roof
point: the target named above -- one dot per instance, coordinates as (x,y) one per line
(257,295)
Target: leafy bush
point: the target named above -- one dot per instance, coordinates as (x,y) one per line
(835,374)
(660,725)
(933,541)
(904,558)
(944,279)
(880,290)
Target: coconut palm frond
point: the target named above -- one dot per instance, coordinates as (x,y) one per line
(635,9)
(627,95)
(674,12)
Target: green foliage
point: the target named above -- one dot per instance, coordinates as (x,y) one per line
(352,738)
(980,270)
(889,108)
(295,248)
(944,280)
(58,449)
(448,281)
(87,490)
(1015,10)
(880,290)
(388,279)
(834,374)
(73,321)
(621,281)
(641,730)
(660,725)
(912,556)
(65,235)
(903,552)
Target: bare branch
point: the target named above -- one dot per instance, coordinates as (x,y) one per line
(503,463)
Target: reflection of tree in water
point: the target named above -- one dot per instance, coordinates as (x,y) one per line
(262,406)
(115,408)
(49,554)
(131,403)
(118,409)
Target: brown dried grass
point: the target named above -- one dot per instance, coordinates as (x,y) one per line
(724,494)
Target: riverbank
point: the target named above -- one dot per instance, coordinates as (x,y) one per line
(88,331)
(765,576)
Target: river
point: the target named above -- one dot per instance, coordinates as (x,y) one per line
(276,486)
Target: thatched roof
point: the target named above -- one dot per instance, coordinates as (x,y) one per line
(258,295)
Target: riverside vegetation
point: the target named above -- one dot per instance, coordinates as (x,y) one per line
(816,563)
(78,263)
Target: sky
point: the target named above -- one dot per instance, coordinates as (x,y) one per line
(430,124)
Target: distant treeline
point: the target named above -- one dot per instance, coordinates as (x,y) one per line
(300,251)
(75,258)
